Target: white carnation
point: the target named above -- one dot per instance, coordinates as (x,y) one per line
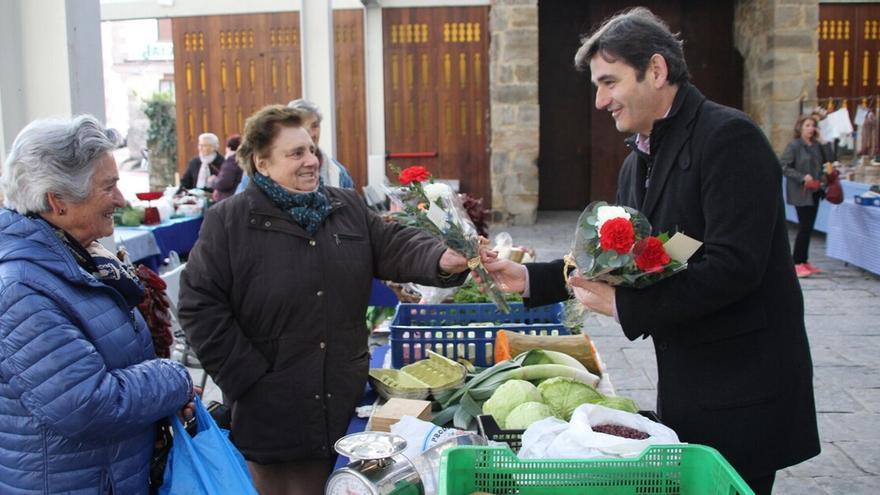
(606,213)
(437,190)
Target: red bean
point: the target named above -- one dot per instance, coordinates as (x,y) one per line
(621,431)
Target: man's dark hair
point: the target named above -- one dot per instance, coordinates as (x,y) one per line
(634,36)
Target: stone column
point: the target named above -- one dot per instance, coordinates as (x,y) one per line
(513,92)
(778,41)
(316,26)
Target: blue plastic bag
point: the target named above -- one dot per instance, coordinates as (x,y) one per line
(204,464)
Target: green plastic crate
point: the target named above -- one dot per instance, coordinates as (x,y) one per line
(660,470)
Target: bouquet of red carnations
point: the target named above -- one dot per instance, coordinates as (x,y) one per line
(614,244)
(436,208)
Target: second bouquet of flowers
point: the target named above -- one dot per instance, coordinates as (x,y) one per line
(614,244)
(434,207)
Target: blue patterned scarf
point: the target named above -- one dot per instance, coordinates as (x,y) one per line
(307,209)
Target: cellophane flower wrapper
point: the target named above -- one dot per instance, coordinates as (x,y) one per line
(437,209)
(612,261)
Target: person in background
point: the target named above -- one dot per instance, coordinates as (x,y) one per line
(334,173)
(81,389)
(802,163)
(230,173)
(274,295)
(733,359)
(202,170)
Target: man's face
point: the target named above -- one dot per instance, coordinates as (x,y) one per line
(632,103)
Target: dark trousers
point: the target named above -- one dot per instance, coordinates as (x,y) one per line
(762,485)
(806,218)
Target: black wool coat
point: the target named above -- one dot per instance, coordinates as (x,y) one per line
(277,315)
(734,364)
(191,175)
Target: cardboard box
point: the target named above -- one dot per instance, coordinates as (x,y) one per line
(395,408)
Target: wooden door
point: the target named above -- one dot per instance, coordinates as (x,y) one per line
(574,134)
(437,92)
(351,120)
(226,68)
(848,60)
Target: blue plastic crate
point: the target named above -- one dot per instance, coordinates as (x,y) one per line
(445,329)
(867,201)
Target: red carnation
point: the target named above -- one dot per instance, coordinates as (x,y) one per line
(414,174)
(650,255)
(617,234)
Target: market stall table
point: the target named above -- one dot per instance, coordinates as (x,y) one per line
(140,244)
(854,235)
(850,189)
(176,234)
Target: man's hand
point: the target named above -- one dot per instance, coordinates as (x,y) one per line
(452,262)
(596,296)
(509,276)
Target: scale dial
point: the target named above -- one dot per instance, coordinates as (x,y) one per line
(348,482)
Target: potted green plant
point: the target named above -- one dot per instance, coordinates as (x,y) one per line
(161,140)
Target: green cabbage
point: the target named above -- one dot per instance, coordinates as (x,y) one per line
(507,396)
(619,403)
(564,394)
(525,414)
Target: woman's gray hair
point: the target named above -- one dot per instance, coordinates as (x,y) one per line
(57,156)
(307,107)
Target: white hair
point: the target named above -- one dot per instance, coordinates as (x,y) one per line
(307,107)
(211,139)
(57,156)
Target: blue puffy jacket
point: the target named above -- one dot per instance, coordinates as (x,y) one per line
(80,388)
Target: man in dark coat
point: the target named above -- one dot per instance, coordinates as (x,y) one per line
(734,365)
(202,170)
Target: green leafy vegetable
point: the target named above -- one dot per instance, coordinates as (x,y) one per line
(507,397)
(525,414)
(564,394)
(620,403)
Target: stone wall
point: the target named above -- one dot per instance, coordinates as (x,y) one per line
(778,42)
(513,92)
(777,39)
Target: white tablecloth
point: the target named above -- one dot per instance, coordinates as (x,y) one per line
(854,235)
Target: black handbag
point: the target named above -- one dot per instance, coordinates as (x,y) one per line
(159,459)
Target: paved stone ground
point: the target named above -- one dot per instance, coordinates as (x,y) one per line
(843,322)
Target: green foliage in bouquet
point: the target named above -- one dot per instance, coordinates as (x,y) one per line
(436,209)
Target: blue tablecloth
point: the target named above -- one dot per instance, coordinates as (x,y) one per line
(357,425)
(854,234)
(177,234)
(850,189)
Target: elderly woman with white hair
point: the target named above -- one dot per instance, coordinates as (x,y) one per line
(80,387)
(201,171)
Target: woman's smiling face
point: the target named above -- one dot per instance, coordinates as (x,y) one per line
(92,218)
(291,161)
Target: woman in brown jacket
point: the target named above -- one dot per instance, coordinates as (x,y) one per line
(274,295)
